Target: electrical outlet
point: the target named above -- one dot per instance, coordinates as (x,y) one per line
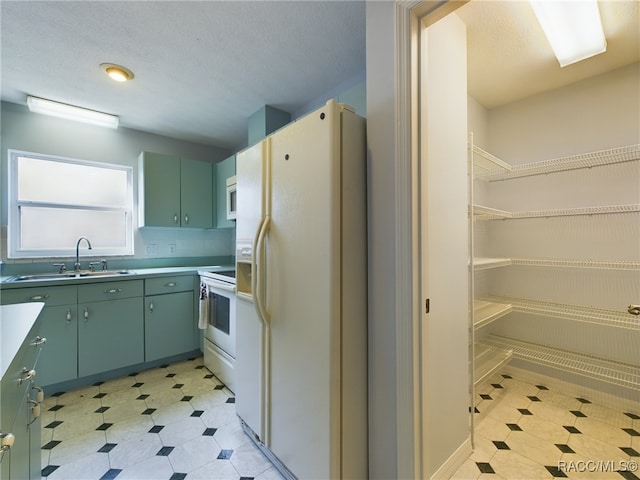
(151,249)
(172,249)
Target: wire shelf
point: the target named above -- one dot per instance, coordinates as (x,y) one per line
(484,263)
(484,161)
(579,313)
(488,360)
(485,312)
(487,213)
(481,212)
(589,264)
(574,162)
(615,373)
(571,212)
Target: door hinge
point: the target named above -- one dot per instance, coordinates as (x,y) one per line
(426,306)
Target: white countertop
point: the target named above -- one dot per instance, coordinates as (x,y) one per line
(15,323)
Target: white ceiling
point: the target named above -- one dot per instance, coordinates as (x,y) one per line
(203,67)
(509,58)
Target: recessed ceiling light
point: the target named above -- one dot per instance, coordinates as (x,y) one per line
(117,72)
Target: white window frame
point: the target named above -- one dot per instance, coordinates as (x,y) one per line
(14,227)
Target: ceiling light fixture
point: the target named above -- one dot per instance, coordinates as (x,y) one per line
(71,112)
(573,28)
(117,72)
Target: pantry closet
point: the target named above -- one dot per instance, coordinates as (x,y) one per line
(554,218)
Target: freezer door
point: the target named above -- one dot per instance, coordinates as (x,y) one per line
(249,193)
(302,295)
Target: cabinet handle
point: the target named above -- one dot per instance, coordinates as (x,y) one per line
(26,375)
(38,341)
(68,316)
(634,309)
(39,393)
(38,297)
(186,218)
(151,306)
(6,443)
(175,218)
(35,411)
(113,290)
(170,284)
(86,314)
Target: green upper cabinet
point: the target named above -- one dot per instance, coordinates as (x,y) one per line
(196,194)
(223,170)
(174,191)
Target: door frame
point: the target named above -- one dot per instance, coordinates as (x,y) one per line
(411,19)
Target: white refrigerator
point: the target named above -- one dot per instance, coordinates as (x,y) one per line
(301,356)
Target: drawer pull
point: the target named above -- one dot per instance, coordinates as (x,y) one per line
(38,341)
(171,284)
(39,297)
(113,290)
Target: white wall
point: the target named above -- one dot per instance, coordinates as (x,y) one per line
(23,130)
(381,98)
(594,114)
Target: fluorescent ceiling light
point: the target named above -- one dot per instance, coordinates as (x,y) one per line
(70,112)
(573,28)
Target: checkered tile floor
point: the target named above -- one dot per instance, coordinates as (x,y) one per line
(173,422)
(531,432)
(178,421)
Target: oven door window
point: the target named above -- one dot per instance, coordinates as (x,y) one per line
(220,309)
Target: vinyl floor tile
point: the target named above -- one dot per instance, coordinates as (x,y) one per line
(531,432)
(173,422)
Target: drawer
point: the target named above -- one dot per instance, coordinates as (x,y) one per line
(160,285)
(51,296)
(110,290)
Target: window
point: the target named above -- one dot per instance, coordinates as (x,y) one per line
(53,201)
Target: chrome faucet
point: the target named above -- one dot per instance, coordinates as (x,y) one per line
(76,266)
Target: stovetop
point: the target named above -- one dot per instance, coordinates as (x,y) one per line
(227,276)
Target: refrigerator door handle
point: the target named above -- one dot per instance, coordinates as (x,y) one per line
(254,265)
(260,275)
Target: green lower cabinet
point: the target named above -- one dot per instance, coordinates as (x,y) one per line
(110,335)
(22,460)
(59,360)
(169,325)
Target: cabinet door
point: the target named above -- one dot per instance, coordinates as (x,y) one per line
(58,360)
(196,194)
(169,325)
(15,414)
(159,190)
(110,335)
(222,171)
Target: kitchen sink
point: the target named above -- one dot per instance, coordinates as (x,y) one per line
(81,274)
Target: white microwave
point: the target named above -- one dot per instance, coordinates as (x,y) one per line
(232,203)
